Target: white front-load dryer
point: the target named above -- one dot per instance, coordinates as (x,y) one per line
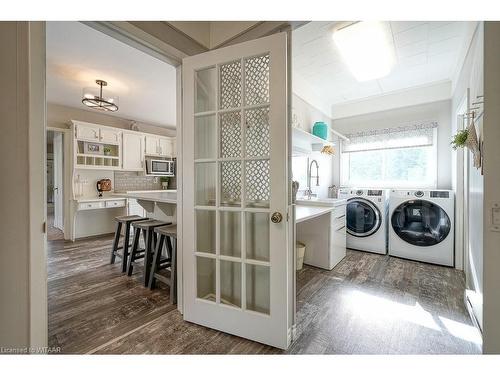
(421,225)
(366,224)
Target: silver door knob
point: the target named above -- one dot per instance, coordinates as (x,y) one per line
(276,217)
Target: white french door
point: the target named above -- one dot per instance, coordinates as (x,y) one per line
(236,246)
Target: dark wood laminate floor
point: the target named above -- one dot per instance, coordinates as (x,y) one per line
(368,304)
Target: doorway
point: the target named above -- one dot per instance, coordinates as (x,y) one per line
(55,185)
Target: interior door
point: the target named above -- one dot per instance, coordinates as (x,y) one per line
(235,196)
(58,180)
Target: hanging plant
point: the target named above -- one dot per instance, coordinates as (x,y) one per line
(460,139)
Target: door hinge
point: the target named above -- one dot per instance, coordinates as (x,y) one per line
(44,227)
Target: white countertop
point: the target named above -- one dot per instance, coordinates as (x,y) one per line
(303,213)
(146,191)
(96,198)
(162,196)
(309,209)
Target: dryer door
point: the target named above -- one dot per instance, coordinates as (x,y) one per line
(420,222)
(363,218)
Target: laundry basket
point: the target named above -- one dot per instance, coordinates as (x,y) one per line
(301,250)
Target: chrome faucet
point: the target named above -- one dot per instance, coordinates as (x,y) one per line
(308,193)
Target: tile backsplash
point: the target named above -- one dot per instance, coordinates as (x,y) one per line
(127,181)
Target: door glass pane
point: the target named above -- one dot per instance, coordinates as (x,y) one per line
(258,288)
(205,174)
(230,183)
(206,84)
(257,132)
(205,278)
(421,223)
(257,236)
(230,85)
(230,134)
(205,137)
(230,283)
(230,233)
(205,231)
(257,80)
(257,183)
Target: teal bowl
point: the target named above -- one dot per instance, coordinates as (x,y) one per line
(320,129)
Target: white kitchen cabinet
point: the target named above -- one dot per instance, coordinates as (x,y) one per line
(133,151)
(87,132)
(159,146)
(152,145)
(165,145)
(109,135)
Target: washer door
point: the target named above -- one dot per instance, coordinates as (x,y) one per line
(362,217)
(420,223)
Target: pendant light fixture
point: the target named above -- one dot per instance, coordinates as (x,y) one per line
(94,98)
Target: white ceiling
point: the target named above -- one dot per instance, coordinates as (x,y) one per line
(77,55)
(426,53)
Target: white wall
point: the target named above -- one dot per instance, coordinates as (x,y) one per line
(59,116)
(471,77)
(438,111)
(23,287)
(307,115)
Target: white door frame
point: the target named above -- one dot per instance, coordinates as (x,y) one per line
(66,225)
(58,179)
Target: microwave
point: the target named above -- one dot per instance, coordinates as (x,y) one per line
(159,167)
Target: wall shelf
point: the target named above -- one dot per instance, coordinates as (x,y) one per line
(303,143)
(306,137)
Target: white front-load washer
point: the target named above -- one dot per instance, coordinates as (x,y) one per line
(421,225)
(366,219)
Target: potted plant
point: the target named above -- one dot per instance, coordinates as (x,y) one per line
(460,139)
(164,182)
(107,151)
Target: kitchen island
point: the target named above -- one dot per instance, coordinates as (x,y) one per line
(158,205)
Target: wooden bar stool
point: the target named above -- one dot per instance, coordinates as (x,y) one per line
(120,220)
(167,235)
(147,228)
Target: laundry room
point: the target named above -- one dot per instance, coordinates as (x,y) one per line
(381,181)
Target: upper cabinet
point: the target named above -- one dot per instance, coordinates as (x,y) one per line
(86,132)
(133,151)
(159,146)
(104,147)
(109,135)
(95,133)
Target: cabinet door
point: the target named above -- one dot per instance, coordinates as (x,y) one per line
(152,147)
(110,135)
(165,146)
(133,152)
(174,147)
(85,132)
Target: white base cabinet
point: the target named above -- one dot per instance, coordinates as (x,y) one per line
(324,237)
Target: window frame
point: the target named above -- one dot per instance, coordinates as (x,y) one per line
(343,174)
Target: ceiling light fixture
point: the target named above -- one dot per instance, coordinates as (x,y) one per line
(93,98)
(366,48)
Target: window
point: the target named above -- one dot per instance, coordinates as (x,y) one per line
(391,158)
